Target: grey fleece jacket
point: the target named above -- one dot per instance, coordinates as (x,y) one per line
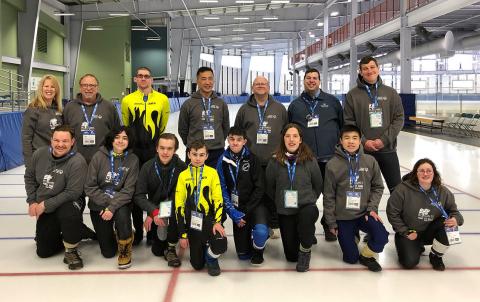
(337,183)
(106,118)
(356,112)
(37,127)
(99,179)
(308,182)
(408,208)
(191,122)
(55,180)
(276,118)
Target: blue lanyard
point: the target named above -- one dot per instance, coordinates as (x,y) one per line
(353,170)
(291,172)
(373,99)
(310,106)
(196,193)
(207,110)
(435,201)
(116,178)
(235,177)
(89,121)
(160,177)
(261,115)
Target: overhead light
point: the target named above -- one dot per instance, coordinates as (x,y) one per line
(218,45)
(256,45)
(244,2)
(239,29)
(119,14)
(214,29)
(237,45)
(320,24)
(259,38)
(237,39)
(270,18)
(136,27)
(264,29)
(153,38)
(94,28)
(312,36)
(215,38)
(317,39)
(211,18)
(334,13)
(208,1)
(241,18)
(279,1)
(63,14)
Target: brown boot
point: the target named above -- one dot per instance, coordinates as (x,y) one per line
(125,253)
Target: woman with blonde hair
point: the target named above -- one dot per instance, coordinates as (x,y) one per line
(43,114)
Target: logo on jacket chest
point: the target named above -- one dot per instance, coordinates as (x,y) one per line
(48,182)
(424,215)
(245,166)
(271,116)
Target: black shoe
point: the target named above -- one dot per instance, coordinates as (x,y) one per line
(72,258)
(213,268)
(437,262)
(314,240)
(329,236)
(303,263)
(171,257)
(88,233)
(371,263)
(257,257)
(137,238)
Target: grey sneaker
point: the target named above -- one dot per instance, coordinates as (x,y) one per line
(170,255)
(303,263)
(72,258)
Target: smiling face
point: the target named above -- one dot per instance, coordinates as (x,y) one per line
(292,140)
(260,87)
(198,156)
(425,175)
(311,82)
(205,83)
(369,72)
(89,89)
(236,143)
(48,91)
(165,150)
(61,143)
(350,141)
(120,142)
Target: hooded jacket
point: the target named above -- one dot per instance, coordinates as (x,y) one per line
(55,180)
(337,182)
(408,208)
(276,118)
(151,189)
(100,180)
(322,139)
(356,112)
(106,118)
(250,183)
(191,120)
(37,127)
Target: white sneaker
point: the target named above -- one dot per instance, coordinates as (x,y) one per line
(274,233)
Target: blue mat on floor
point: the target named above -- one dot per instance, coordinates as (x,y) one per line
(10,140)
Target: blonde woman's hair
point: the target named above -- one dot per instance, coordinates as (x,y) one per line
(39,102)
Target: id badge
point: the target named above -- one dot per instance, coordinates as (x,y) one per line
(110,193)
(208,133)
(234,198)
(262,138)
(353,200)
(376,118)
(197,221)
(313,122)
(453,235)
(88,138)
(291,199)
(165,210)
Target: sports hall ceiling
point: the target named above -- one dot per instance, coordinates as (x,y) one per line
(266,26)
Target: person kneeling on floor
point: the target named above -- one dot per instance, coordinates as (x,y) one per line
(54,184)
(352,192)
(199,210)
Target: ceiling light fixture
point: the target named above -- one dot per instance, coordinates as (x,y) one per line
(319,24)
(94,28)
(239,29)
(334,13)
(153,38)
(270,18)
(63,14)
(139,28)
(241,18)
(211,18)
(264,29)
(119,14)
(208,1)
(244,1)
(280,1)
(214,29)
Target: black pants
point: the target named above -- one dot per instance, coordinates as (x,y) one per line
(198,241)
(390,168)
(104,228)
(243,236)
(272,208)
(322,166)
(409,251)
(158,246)
(53,228)
(212,160)
(298,229)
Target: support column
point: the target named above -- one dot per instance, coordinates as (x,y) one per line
(405,51)
(278,59)
(27,39)
(217,65)
(194,64)
(297,74)
(183,66)
(245,70)
(353,46)
(176,49)
(294,75)
(74,41)
(324,79)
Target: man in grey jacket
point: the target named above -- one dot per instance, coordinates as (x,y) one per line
(205,116)
(377,110)
(54,184)
(263,118)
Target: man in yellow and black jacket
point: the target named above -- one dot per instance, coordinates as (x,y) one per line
(199,208)
(146,112)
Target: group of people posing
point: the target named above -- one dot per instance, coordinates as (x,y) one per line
(267,180)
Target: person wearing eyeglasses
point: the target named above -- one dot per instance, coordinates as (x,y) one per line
(146,112)
(263,118)
(422,212)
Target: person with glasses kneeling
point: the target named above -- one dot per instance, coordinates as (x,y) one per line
(110,185)
(422,211)
(295,182)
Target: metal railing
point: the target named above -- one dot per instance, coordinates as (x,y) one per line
(12,97)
